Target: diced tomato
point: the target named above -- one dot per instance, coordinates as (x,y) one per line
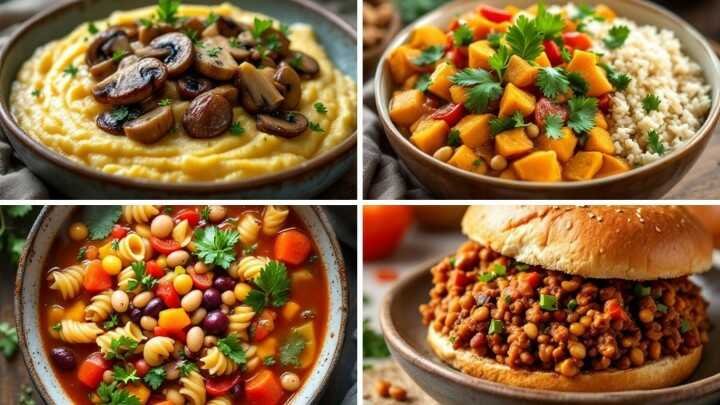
(191,214)
(141,367)
(458,278)
(264,325)
(546,107)
(451,113)
(577,40)
(91,370)
(552,50)
(96,279)
(217,386)
(493,14)
(454,24)
(604,103)
(118,231)
(264,389)
(154,269)
(167,293)
(200,281)
(383,229)
(175,334)
(292,247)
(614,309)
(459,57)
(164,246)
(533,279)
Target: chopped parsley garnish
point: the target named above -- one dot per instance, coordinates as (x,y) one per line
(620,81)
(114,395)
(8,340)
(115,244)
(120,113)
(494,39)
(231,347)
(92,28)
(269,361)
(314,126)
(166,10)
(259,27)
(214,52)
(320,107)
(582,113)
(118,55)
(553,126)
(211,19)
(155,377)
(125,375)
(165,102)
(423,82)
(654,144)
(80,256)
(234,43)
(650,103)
(496,327)
(462,36)
(285,29)
(120,347)
(552,82)
(501,124)
(57,327)
(430,55)
(617,36)
(111,322)
(550,25)
(141,278)
(205,213)
(499,61)
(100,219)
(71,70)
(273,287)
(525,39)
(548,302)
(35,92)
(214,246)
(483,89)
(236,128)
(146,23)
(291,350)
(577,83)
(454,138)
(186,367)
(374,346)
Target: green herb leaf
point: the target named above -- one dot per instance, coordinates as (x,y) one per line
(501,124)
(499,61)
(165,102)
(661,308)
(118,55)
(125,375)
(273,287)
(553,126)
(454,138)
(35,93)
(269,361)
(315,127)
(236,128)
(577,83)
(26,395)
(80,256)
(100,220)
(18,211)
(146,281)
(620,81)
(552,82)
(641,290)
(120,347)
(525,39)
(374,346)
(617,36)
(259,27)
(320,107)
(166,10)
(71,70)
(582,113)
(211,19)
(291,350)
(92,28)
(111,394)
(462,36)
(430,55)
(186,367)
(650,103)
(550,25)
(215,246)
(231,347)
(8,340)
(655,144)
(423,82)
(112,322)
(685,325)
(495,40)
(155,377)
(483,89)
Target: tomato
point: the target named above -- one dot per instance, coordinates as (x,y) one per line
(533,279)
(167,293)
(178,335)
(118,231)
(141,367)
(454,24)
(264,325)
(604,103)
(458,278)
(546,107)
(383,228)
(451,113)
(96,278)
(217,386)
(264,389)
(91,370)
(553,52)
(493,14)
(577,40)
(200,281)
(154,269)
(614,309)
(191,214)
(164,246)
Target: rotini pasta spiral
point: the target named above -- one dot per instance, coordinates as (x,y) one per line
(139,213)
(68,280)
(249,229)
(182,233)
(124,278)
(130,330)
(131,248)
(158,349)
(224,400)
(216,363)
(240,320)
(274,217)
(249,267)
(99,308)
(193,388)
(78,332)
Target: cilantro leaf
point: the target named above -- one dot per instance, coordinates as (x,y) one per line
(259,27)
(18,211)
(165,102)
(71,70)
(582,113)
(552,82)
(423,82)
(118,55)
(462,36)
(273,287)
(120,347)
(101,219)
(483,89)
(166,10)
(650,103)
(620,81)
(236,128)
(501,124)
(617,36)
(113,395)
(291,350)
(577,83)
(454,138)
(374,345)
(315,127)
(499,61)
(430,55)
(186,367)
(215,246)
(141,277)
(155,377)
(231,347)
(654,144)
(125,375)
(112,322)
(553,126)
(495,39)
(525,39)
(320,107)
(550,25)
(211,19)
(8,340)
(92,28)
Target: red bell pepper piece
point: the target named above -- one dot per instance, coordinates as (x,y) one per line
(200,281)
(533,279)
(264,388)
(154,269)
(577,40)
(96,279)
(553,52)
(451,113)
(91,370)
(191,214)
(218,386)
(604,103)
(167,293)
(118,231)
(496,15)
(614,309)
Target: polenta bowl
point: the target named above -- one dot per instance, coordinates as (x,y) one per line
(177,98)
(523,99)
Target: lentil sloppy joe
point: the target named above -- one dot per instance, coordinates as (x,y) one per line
(573,298)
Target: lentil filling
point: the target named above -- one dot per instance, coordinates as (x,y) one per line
(527,317)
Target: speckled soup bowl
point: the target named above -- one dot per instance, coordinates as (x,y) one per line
(650,181)
(303,181)
(32,272)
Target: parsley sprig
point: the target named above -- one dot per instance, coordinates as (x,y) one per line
(617,36)
(525,39)
(501,124)
(552,82)
(231,347)
(582,113)
(166,11)
(462,36)
(155,377)
(8,340)
(483,88)
(141,278)
(292,349)
(215,246)
(273,287)
(650,103)
(121,347)
(620,81)
(126,375)
(113,394)
(655,144)
(429,55)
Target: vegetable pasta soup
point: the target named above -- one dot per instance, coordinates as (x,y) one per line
(183,305)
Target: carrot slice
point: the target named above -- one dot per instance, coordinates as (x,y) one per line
(96,279)
(264,388)
(292,247)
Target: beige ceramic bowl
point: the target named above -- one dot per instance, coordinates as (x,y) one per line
(650,181)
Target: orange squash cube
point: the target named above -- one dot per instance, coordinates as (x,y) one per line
(400,63)
(427,36)
(600,120)
(543,60)
(538,166)
(583,166)
(605,12)
(474,129)
(430,135)
(406,107)
(508,174)
(513,143)
(515,99)
(599,140)
(458,94)
(612,165)
(585,64)
(563,147)
(464,158)
(520,73)
(479,54)
(440,80)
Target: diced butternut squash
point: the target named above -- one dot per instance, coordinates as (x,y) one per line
(307,331)
(543,60)
(139,391)
(430,135)
(55,314)
(400,62)
(612,165)
(480,25)
(583,166)
(410,82)
(600,120)
(605,12)
(406,107)
(440,80)
(76,312)
(173,319)
(508,174)
(585,64)
(479,54)
(538,166)
(464,158)
(267,347)
(513,143)
(563,147)
(301,276)
(520,73)
(458,94)
(599,140)
(427,36)
(290,310)
(515,99)
(474,129)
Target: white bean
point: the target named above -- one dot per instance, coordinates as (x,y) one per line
(161,226)
(217,213)
(290,381)
(443,154)
(192,301)
(201,268)
(142,299)
(198,316)
(177,258)
(195,339)
(120,301)
(228,297)
(148,322)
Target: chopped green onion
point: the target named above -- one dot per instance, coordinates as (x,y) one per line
(548,302)
(499,269)
(641,290)
(661,308)
(452,262)
(572,304)
(496,327)
(684,326)
(487,277)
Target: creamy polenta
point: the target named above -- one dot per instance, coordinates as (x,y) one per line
(54,104)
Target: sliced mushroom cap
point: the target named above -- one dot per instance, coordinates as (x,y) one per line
(103,69)
(148,33)
(132,84)
(171,90)
(194,25)
(209,115)
(260,94)
(112,121)
(180,57)
(127,61)
(280,42)
(236,49)
(191,86)
(150,52)
(105,44)
(287,124)
(228,91)
(213,60)
(151,126)
(303,63)
(291,86)
(224,26)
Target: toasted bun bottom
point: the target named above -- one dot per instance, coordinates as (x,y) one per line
(665,372)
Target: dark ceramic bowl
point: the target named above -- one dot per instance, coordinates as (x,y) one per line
(650,181)
(406,337)
(32,273)
(71,178)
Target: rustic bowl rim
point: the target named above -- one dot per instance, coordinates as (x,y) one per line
(436,368)
(339,340)
(705,131)
(17,133)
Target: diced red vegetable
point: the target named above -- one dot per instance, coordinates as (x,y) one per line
(604,103)
(533,279)
(264,325)
(167,293)
(292,247)
(264,389)
(553,52)
(577,40)
(494,14)
(178,334)
(91,370)
(386,274)
(454,24)
(191,214)
(458,278)
(545,107)
(154,269)
(614,309)
(217,386)
(96,279)
(164,246)
(118,231)
(451,113)
(200,281)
